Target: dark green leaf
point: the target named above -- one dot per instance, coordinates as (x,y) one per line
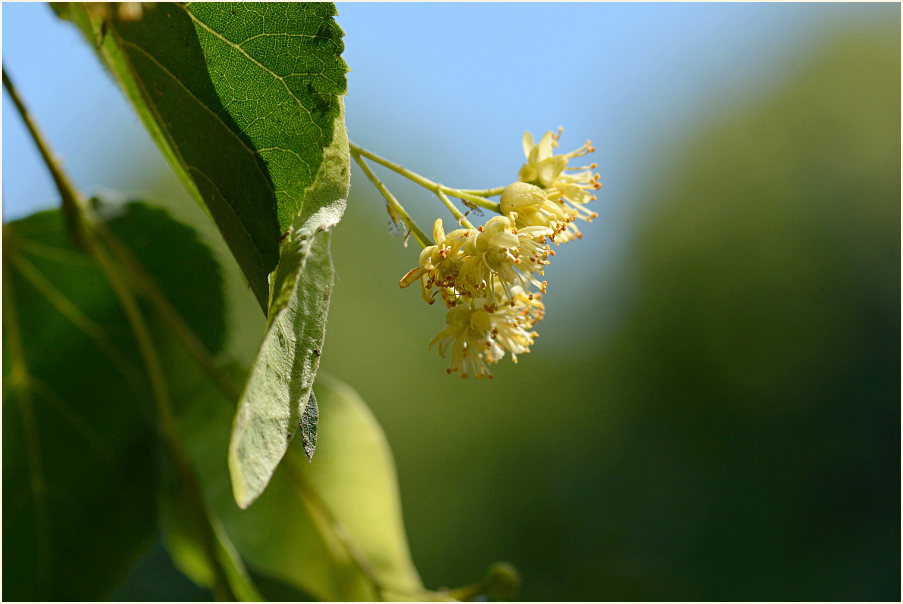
(80,467)
(242,99)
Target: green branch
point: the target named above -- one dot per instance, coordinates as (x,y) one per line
(462,220)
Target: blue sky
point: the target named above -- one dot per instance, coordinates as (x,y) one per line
(449,87)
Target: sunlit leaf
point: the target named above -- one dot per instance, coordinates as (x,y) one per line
(354,478)
(241,98)
(290,533)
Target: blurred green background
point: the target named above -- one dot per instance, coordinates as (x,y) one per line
(734,433)
(712,409)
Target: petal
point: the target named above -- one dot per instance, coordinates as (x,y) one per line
(426,257)
(546,146)
(575,194)
(550,168)
(438,231)
(527,173)
(411,276)
(481,321)
(520,194)
(505,239)
(527,143)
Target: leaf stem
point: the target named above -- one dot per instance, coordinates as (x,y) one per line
(18,377)
(419,235)
(145,285)
(324,519)
(468,197)
(71,199)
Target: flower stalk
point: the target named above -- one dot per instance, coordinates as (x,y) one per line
(467,196)
(390,200)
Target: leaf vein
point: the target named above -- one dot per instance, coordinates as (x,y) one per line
(80,424)
(256,62)
(37,482)
(75,316)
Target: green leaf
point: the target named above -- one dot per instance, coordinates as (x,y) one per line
(242,99)
(276,394)
(185,545)
(290,534)
(80,469)
(354,479)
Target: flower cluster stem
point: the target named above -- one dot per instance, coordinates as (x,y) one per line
(468,197)
(484,192)
(462,220)
(419,235)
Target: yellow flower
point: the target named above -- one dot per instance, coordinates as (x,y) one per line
(569,187)
(478,333)
(438,267)
(488,262)
(532,207)
(500,257)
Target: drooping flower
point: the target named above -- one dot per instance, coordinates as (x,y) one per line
(488,262)
(525,311)
(568,186)
(489,277)
(438,266)
(478,333)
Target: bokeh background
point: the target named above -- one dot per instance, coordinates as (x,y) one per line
(712,410)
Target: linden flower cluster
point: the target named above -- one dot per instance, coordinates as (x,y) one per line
(489,277)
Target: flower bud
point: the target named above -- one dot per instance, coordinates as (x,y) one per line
(520,194)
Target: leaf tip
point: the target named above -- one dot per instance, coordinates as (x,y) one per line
(308,426)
